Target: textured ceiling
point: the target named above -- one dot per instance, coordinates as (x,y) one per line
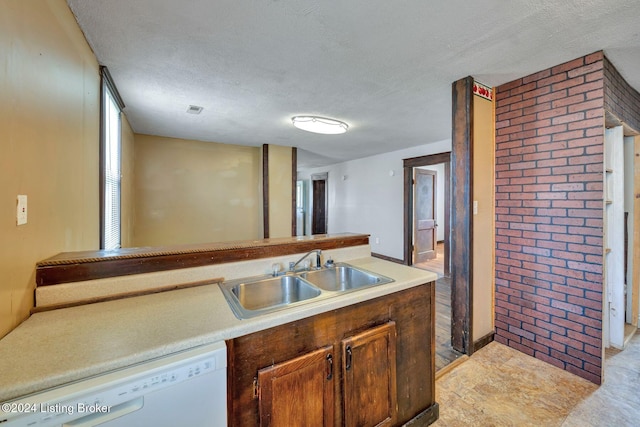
(385,67)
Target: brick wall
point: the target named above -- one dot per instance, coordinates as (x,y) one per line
(549,215)
(620,98)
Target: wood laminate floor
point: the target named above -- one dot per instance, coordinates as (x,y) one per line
(445,354)
(437,264)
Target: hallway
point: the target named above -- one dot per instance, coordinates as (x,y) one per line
(437,264)
(445,354)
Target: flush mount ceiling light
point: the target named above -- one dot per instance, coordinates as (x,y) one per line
(320,125)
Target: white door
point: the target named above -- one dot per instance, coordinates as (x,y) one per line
(614,307)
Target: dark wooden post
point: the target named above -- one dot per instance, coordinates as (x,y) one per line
(461,224)
(265,190)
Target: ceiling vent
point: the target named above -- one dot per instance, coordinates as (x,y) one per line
(194,109)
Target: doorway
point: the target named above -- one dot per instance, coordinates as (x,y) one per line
(438,162)
(621,236)
(427,212)
(319,220)
(428,218)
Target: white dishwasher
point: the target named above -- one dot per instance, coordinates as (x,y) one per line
(183,389)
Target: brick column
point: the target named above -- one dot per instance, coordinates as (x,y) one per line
(549,215)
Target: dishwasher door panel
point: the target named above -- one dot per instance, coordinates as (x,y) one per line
(187,388)
(196,402)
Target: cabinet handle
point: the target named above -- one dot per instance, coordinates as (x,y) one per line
(256,388)
(349,355)
(329,366)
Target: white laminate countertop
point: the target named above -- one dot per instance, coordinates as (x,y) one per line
(60,346)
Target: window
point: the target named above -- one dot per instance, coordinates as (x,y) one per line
(110,176)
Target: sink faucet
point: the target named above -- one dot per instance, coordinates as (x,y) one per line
(292,266)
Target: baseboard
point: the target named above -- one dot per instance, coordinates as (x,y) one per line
(387,258)
(477,345)
(451,366)
(426,417)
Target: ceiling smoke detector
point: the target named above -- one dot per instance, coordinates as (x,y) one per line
(194,109)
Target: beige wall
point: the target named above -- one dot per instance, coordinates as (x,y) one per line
(195,192)
(483,222)
(280,191)
(49,132)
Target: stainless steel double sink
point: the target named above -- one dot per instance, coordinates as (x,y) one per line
(250,297)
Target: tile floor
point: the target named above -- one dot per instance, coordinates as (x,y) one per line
(499,386)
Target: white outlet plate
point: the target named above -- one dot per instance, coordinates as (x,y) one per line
(21,211)
(475,207)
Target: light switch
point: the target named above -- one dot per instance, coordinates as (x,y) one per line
(475,207)
(21,214)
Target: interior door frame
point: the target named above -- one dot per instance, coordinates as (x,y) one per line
(633,260)
(409,165)
(457,324)
(611,120)
(635,295)
(613,283)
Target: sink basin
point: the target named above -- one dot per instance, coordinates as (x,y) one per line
(251,298)
(344,277)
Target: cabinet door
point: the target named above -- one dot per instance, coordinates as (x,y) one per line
(298,392)
(369,372)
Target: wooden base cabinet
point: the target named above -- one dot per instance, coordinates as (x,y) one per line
(369,377)
(298,391)
(369,364)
